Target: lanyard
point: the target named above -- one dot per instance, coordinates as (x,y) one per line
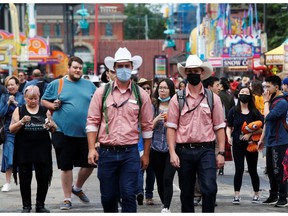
(123,103)
(190,110)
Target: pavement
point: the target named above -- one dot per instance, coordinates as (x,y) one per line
(10,202)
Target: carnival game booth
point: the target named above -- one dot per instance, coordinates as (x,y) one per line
(277,59)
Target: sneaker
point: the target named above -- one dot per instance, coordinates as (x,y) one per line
(281,203)
(149,201)
(66,205)
(165,210)
(81,195)
(256,199)
(6,187)
(140,199)
(270,201)
(236,200)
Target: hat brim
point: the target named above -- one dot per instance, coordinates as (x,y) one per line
(136,60)
(149,82)
(207,67)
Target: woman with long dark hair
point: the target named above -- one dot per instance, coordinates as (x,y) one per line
(160,158)
(244,111)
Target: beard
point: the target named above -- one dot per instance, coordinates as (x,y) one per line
(75,77)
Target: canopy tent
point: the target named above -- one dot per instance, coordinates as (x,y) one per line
(278,50)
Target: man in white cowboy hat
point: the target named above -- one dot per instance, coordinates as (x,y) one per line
(116,126)
(193,132)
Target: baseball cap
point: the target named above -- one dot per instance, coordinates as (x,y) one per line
(285,81)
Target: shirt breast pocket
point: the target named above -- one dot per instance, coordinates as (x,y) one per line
(133,109)
(205,115)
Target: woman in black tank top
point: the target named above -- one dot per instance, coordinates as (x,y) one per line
(31,124)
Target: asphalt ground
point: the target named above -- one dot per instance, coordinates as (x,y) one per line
(10,202)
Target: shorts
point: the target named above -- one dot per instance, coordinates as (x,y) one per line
(70,151)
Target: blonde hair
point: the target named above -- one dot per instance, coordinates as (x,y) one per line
(31,90)
(8,78)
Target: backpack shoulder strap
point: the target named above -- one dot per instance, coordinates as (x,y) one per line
(210,99)
(60,86)
(136,91)
(107,90)
(181,97)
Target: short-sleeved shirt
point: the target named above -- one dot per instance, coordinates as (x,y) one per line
(236,120)
(122,121)
(196,126)
(75,99)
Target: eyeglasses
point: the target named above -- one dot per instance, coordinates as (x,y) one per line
(163,88)
(146,88)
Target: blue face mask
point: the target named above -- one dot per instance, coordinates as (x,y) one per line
(123,74)
(164,99)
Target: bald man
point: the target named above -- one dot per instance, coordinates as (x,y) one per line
(36,75)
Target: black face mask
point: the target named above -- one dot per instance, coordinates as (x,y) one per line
(244,98)
(273,95)
(193,79)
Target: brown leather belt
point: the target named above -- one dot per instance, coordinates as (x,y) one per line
(210,145)
(116,147)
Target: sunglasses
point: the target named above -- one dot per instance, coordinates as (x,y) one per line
(146,88)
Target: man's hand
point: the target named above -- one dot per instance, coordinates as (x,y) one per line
(93,157)
(174,160)
(220,161)
(144,162)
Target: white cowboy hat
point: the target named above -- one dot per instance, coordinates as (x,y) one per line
(193,61)
(123,55)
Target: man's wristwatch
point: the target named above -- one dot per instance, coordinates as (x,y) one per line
(221,153)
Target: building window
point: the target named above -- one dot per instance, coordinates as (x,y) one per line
(46,30)
(108,29)
(57,30)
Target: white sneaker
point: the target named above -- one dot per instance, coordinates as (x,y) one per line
(165,210)
(6,187)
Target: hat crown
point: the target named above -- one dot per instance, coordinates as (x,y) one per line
(122,54)
(193,61)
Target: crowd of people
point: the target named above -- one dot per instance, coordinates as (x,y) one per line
(137,132)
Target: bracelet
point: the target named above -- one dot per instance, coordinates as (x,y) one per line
(266,102)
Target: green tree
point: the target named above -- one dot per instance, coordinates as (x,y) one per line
(276,23)
(134,25)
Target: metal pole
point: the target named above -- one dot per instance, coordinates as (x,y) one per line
(146,27)
(264,18)
(96,35)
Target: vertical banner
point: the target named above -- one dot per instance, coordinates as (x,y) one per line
(15,27)
(160,66)
(285,68)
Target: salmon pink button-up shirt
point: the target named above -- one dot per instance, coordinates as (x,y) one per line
(122,121)
(195,126)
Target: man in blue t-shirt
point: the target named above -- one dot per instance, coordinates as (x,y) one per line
(70,104)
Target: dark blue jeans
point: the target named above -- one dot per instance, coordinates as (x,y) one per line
(202,161)
(118,172)
(149,182)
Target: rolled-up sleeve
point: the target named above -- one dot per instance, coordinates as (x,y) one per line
(146,115)
(94,111)
(173,113)
(218,117)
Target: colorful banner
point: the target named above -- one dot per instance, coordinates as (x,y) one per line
(15,28)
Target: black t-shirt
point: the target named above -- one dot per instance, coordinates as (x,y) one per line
(236,120)
(32,141)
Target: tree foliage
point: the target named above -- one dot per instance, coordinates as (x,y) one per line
(134,25)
